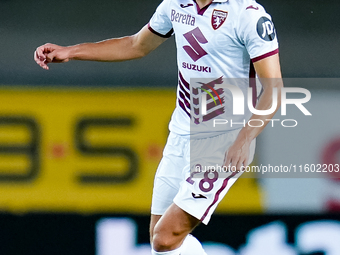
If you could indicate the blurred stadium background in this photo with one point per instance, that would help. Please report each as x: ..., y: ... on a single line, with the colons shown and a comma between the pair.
x: 79, y: 144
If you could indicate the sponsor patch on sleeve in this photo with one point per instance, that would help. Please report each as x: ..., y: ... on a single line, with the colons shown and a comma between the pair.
x: 266, y: 29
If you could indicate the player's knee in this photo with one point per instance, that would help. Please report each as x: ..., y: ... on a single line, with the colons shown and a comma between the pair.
x: 160, y: 243
x: 165, y: 241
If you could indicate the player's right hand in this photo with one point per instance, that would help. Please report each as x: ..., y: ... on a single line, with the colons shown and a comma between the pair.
x: 51, y: 53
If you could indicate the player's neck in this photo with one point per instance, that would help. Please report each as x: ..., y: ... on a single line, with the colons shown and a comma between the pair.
x: 203, y: 3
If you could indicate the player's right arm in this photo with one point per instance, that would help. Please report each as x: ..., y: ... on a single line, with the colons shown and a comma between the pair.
x: 111, y: 50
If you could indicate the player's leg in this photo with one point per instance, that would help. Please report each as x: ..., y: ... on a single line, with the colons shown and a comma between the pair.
x: 190, y: 245
x: 172, y: 228
x: 168, y: 178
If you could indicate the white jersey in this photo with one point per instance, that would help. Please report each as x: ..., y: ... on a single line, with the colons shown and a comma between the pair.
x: 218, y: 42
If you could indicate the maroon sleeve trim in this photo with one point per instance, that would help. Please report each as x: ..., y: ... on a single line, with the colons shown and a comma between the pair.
x: 265, y: 55
x: 156, y: 33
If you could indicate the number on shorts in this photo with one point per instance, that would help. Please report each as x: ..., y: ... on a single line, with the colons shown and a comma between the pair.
x: 208, y: 180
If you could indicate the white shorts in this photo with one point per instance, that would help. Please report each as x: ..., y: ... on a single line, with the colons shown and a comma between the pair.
x: 198, y: 196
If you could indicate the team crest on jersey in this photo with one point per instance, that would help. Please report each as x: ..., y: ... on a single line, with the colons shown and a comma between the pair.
x: 218, y: 18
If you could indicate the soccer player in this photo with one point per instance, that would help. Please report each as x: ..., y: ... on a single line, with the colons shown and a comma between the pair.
x: 217, y: 40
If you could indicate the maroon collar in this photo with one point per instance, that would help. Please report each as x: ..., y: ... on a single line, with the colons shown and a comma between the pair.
x: 201, y: 11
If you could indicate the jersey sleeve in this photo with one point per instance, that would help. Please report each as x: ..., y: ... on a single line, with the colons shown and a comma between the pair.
x: 160, y: 23
x: 257, y: 32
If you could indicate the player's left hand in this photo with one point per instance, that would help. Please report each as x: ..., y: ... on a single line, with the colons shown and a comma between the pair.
x: 237, y: 155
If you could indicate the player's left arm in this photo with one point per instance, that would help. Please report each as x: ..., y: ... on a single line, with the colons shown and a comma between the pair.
x: 269, y: 72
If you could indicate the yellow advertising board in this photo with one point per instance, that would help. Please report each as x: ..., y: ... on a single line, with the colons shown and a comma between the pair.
x: 89, y: 150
